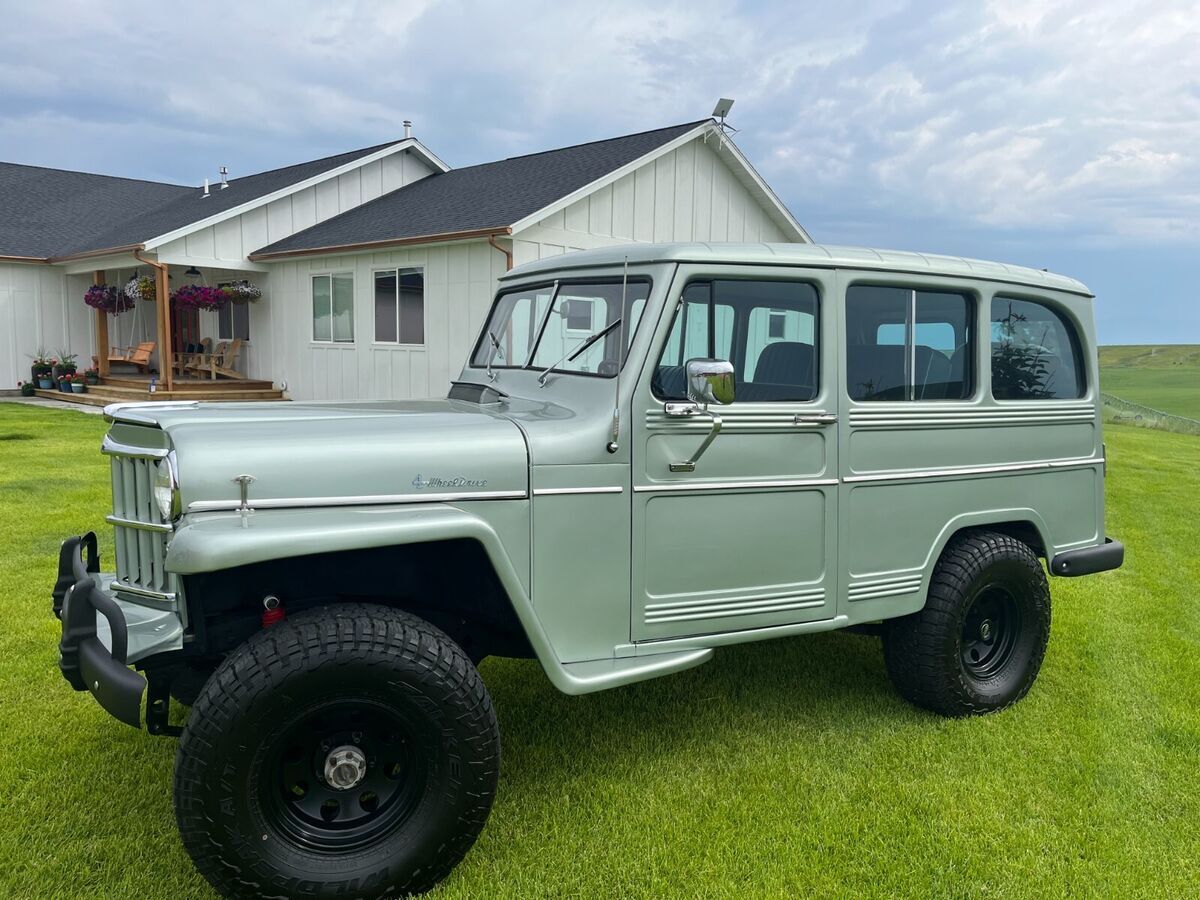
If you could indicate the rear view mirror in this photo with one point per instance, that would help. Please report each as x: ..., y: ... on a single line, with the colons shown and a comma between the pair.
x: 710, y: 381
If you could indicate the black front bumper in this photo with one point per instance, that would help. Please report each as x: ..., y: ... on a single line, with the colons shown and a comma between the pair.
x: 84, y: 660
x: 1089, y: 560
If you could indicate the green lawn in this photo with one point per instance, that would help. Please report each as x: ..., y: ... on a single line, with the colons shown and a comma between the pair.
x: 787, y: 768
x: 1165, y: 377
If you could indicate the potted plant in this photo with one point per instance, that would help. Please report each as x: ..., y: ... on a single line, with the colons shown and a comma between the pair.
x: 242, y: 291
x: 41, y: 363
x: 63, y: 383
x: 66, y: 364
x: 92, y: 376
x: 200, y: 296
x: 139, y: 287
x: 26, y: 388
x: 79, y: 383
x: 106, y: 298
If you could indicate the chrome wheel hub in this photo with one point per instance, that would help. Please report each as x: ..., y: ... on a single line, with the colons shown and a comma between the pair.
x: 345, y: 767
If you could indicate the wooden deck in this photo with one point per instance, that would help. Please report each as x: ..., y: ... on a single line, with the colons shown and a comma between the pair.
x: 136, y: 388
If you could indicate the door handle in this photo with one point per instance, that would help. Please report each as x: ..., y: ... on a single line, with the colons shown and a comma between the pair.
x: 814, y: 418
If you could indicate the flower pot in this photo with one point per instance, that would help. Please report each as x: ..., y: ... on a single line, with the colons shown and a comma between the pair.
x: 93, y: 379
x: 46, y: 384
x: 65, y: 387
x: 78, y: 388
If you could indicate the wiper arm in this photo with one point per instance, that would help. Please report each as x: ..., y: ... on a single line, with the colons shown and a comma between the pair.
x: 496, y: 351
x: 571, y: 355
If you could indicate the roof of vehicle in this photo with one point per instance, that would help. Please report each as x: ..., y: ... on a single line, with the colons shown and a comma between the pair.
x: 811, y: 255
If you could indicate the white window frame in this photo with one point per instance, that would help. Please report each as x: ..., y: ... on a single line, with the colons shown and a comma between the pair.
x: 407, y: 345
x: 332, y: 342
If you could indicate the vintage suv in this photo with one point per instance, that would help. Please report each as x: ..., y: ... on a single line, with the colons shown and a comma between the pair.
x: 653, y: 451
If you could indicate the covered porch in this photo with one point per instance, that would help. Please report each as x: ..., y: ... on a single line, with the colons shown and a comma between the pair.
x: 168, y: 332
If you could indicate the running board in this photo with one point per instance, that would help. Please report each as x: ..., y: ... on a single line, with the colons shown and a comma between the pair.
x: 598, y: 674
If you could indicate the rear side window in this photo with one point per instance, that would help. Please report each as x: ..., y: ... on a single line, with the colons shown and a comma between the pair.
x: 904, y: 344
x: 1035, y: 353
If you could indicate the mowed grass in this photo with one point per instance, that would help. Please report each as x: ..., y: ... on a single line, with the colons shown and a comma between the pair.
x: 1165, y: 377
x: 788, y: 768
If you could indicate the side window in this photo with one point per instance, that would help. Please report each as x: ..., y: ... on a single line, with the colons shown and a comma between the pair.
x: 767, y: 329
x: 904, y: 344
x: 333, y: 308
x: 1035, y: 353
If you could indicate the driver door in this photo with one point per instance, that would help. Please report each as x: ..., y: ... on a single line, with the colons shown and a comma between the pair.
x: 748, y: 539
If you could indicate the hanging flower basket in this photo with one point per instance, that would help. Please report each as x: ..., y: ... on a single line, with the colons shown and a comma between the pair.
x: 140, y: 287
x: 200, y: 296
x: 242, y: 291
x: 107, y: 298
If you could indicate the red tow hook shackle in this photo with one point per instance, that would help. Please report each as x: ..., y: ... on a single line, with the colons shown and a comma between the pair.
x: 272, y: 611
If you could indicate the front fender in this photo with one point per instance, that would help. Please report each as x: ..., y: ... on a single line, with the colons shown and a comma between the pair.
x: 213, y: 542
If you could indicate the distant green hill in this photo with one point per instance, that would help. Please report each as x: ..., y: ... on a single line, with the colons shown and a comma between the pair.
x: 1163, y: 376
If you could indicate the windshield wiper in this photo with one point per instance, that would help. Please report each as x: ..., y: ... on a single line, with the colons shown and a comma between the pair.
x: 496, y: 351
x: 571, y: 355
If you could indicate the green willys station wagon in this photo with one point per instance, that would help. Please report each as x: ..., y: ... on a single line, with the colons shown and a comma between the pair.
x: 653, y: 451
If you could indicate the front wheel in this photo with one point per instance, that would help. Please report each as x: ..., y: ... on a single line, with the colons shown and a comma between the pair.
x: 978, y: 643
x: 350, y: 750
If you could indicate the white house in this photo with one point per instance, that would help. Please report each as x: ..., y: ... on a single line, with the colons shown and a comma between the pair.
x: 376, y: 266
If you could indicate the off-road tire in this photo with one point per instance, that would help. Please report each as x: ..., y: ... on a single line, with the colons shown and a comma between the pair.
x: 320, y: 665
x: 936, y: 657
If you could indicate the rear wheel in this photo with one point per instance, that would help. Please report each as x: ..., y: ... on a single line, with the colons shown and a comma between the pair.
x: 347, y: 750
x: 978, y: 643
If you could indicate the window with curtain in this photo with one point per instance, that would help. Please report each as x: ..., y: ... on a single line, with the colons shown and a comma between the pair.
x: 333, y: 308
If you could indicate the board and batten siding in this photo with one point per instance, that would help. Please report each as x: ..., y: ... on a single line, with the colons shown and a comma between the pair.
x: 41, y: 308
x: 236, y: 238
x: 460, y: 281
x: 689, y: 194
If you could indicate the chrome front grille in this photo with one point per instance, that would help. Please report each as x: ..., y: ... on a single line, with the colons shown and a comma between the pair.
x: 141, y: 533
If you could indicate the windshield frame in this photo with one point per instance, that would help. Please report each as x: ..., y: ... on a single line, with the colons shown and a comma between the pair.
x: 555, y: 286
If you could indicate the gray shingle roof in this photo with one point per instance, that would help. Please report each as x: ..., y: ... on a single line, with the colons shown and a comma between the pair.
x: 491, y: 195
x: 51, y: 212
x: 44, y: 211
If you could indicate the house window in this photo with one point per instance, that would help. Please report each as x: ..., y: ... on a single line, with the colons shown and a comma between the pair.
x: 233, y: 322
x: 400, y: 306
x: 905, y: 344
x: 1035, y: 353
x: 777, y: 325
x: 333, y: 308
x: 578, y: 312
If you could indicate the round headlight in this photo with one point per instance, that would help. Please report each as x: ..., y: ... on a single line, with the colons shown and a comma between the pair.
x: 166, y: 488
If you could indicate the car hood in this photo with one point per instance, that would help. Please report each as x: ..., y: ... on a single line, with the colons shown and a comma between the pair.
x: 315, y: 454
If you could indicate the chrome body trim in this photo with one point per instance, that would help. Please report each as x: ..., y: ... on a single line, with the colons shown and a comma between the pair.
x: 114, y: 448
x: 365, y: 500
x: 736, y: 485
x: 162, y: 528
x: 125, y: 587
x: 967, y: 471
x: 550, y: 492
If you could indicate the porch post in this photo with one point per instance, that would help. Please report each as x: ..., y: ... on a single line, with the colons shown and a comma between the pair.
x: 165, y: 356
x: 101, y: 330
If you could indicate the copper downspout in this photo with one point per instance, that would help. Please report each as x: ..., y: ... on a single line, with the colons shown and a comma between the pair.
x: 163, y: 305
x: 508, y: 254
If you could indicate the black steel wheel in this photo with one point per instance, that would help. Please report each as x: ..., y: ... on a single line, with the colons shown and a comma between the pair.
x: 347, y: 750
x: 978, y: 643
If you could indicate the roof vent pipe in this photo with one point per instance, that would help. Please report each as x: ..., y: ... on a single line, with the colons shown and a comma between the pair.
x: 224, y: 182
x: 407, y: 129
x: 205, y: 187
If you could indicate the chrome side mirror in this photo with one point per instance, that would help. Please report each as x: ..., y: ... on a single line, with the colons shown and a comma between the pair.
x: 710, y: 381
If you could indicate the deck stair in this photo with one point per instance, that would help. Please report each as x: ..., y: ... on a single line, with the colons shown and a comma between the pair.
x: 132, y: 389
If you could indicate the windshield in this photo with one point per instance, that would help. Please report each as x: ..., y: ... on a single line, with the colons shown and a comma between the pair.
x: 543, y: 327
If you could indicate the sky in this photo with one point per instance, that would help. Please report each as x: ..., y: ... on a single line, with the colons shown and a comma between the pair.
x: 1062, y: 134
